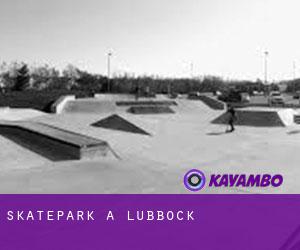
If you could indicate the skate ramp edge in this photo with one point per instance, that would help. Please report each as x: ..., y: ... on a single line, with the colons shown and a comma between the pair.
x: 210, y: 102
x: 54, y: 143
x: 257, y: 118
x: 288, y: 116
x: 59, y: 105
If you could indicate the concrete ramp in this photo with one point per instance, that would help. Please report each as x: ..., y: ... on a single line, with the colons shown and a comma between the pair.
x: 211, y: 102
x: 255, y: 118
x: 115, y: 122
x: 54, y: 143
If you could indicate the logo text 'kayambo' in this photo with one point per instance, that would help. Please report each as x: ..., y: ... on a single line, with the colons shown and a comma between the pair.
x: 230, y: 180
x: 195, y: 180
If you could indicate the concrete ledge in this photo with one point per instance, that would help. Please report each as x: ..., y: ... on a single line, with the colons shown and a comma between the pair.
x: 150, y: 110
x: 54, y: 143
x: 114, y: 97
x: 146, y: 103
x: 58, y: 106
x: 98, y: 96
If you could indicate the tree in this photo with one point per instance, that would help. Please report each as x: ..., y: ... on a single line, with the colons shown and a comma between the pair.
x: 43, y: 76
x: 89, y: 82
x: 22, y: 78
x: 14, y: 76
x: 73, y: 74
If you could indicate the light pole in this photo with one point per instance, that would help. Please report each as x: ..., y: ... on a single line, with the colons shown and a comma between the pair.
x: 294, y: 70
x: 267, y: 87
x: 266, y: 67
x: 294, y: 76
x: 109, y: 55
x: 192, y: 69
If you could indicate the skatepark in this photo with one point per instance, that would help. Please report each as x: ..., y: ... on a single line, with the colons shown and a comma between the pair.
x: 116, y: 144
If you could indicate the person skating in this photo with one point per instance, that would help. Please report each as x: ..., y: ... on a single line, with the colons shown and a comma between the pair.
x: 231, y: 118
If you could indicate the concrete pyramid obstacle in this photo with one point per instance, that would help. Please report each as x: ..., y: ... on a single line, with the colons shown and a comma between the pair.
x: 115, y: 122
x: 256, y: 118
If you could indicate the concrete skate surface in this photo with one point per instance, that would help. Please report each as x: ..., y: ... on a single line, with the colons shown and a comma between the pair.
x: 157, y: 163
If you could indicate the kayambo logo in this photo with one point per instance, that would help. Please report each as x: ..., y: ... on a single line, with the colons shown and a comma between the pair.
x: 194, y: 180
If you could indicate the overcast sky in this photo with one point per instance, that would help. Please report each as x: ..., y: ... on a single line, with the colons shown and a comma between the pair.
x: 160, y: 37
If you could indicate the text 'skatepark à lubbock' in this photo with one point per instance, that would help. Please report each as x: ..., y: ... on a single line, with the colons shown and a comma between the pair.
x: 94, y: 215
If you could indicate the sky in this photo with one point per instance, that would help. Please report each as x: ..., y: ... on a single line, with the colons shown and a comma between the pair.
x: 169, y: 38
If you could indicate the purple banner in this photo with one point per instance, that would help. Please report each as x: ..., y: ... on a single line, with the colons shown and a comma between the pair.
x: 142, y: 222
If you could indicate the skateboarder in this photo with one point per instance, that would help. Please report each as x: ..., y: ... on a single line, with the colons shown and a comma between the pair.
x: 231, y: 118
